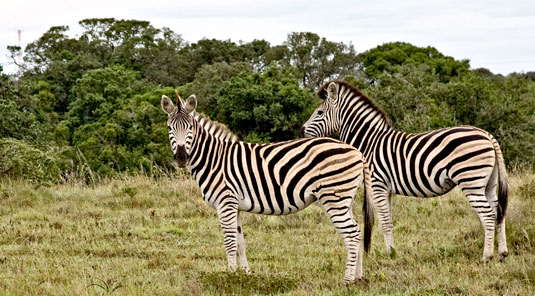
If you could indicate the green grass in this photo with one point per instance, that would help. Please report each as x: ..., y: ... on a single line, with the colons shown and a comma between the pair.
x: 139, y: 236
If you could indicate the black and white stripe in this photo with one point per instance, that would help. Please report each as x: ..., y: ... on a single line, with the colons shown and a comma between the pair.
x: 272, y: 179
x: 423, y: 165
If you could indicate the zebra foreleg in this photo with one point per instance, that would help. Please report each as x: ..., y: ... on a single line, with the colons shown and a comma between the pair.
x: 241, y: 247
x: 228, y: 217
x: 340, y: 213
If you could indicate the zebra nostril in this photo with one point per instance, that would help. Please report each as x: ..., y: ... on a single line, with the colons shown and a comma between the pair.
x: 181, y: 156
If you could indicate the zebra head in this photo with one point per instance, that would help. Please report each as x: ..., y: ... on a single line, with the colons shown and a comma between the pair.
x: 323, y: 122
x: 180, y: 124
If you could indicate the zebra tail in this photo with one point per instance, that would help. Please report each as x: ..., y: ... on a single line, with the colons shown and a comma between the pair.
x: 502, y: 179
x: 368, y: 208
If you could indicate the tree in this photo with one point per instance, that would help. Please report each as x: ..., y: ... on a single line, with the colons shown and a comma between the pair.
x: 406, y: 99
x: 18, y: 113
x: 386, y: 59
x: 209, y: 80
x: 317, y: 59
x: 264, y: 107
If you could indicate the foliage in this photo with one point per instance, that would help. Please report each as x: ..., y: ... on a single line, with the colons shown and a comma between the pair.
x: 264, y: 107
x: 113, y: 127
x: 94, y: 97
x: 317, y: 59
x: 388, y: 57
x: 210, y: 79
x: 20, y: 160
x: 17, y: 119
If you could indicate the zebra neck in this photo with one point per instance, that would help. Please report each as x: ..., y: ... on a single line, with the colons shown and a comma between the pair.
x: 207, y: 151
x: 364, y: 130
x: 216, y: 129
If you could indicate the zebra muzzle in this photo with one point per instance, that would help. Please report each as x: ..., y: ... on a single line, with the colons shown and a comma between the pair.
x: 181, y: 156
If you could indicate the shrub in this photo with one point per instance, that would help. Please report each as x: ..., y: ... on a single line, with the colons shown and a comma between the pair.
x: 20, y: 160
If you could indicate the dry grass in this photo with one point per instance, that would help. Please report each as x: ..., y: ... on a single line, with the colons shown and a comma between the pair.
x: 139, y: 236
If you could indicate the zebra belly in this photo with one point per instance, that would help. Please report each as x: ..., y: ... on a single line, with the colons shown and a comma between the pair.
x: 440, y: 185
x: 262, y: 206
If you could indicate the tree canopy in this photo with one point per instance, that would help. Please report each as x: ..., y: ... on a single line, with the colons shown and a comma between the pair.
x: 89, y: 104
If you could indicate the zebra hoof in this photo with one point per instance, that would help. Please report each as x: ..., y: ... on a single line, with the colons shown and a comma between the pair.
x: 347, y: 282
x: 486, y: 259
x: 231, y: 269
x: 356, y: 282
x: 503, y: 255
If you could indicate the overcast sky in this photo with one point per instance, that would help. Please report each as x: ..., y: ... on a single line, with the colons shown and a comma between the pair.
x: 498, y: 35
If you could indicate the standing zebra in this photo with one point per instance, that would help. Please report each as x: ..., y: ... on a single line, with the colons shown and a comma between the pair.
x: 423, y: 165
x: 272, y: 179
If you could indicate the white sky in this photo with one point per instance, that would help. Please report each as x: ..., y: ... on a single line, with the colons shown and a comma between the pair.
x: 495, y: 34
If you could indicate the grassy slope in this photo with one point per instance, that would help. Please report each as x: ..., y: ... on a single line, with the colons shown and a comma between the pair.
x: 140, y: 236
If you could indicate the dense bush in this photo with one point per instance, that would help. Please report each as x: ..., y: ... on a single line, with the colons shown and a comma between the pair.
x: 264, y: 107
x: 19, y: 159
x: 388, y: 58
x: 93, y: 101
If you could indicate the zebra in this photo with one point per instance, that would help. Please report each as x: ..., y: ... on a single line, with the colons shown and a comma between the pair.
x: 422, y: 165
x: 273, y: 179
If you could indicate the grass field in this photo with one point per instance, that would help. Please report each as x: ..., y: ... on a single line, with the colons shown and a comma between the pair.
x: 140, y: 236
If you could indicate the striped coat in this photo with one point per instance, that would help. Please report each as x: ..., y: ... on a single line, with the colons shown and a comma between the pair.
x: 423, y: 165
x: 271, y: 179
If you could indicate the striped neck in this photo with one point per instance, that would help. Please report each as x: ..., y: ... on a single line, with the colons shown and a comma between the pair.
x: 362, y: 124
x: 208, y: 145
x: 216, y: 129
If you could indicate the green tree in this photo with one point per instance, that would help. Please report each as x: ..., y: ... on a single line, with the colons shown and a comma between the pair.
x: 209, y: 80
x: 317, y: 59
x: 18, y: 112
x: 109, y: 124
x: 386, y: 59
x: 264, y: 107
x: 406, y: 99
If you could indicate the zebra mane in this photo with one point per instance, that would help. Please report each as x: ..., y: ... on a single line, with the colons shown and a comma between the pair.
x: 217, y: 129
x: 357, y: 95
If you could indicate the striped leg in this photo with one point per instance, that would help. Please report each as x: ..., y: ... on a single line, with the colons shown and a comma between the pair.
x: 382, y: 201
x: 241, y: 247
x: 340, y: 213
x: 479, y: 203
x: 228, y: 217
x: 500, y: 228
x: 502, y: 240
x: 360, y: 256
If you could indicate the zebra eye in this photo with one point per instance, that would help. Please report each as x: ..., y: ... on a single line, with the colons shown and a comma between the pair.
x: 320, y: 113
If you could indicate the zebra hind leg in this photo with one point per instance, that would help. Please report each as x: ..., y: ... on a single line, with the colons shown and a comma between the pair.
x: 241, y: 247
x: 228, y: 217
x: 382, y: 201
x: 339, y: 210
x: 490, y: 192
x: 479, y: 203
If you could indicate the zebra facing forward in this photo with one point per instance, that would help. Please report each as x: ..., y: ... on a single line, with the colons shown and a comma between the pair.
x: 422, y: 165
x: 272, y: 179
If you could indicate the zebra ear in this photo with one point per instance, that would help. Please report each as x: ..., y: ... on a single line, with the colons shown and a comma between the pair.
x: 191, y: 103
x: 332, y: 92
x: 167, y: 104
